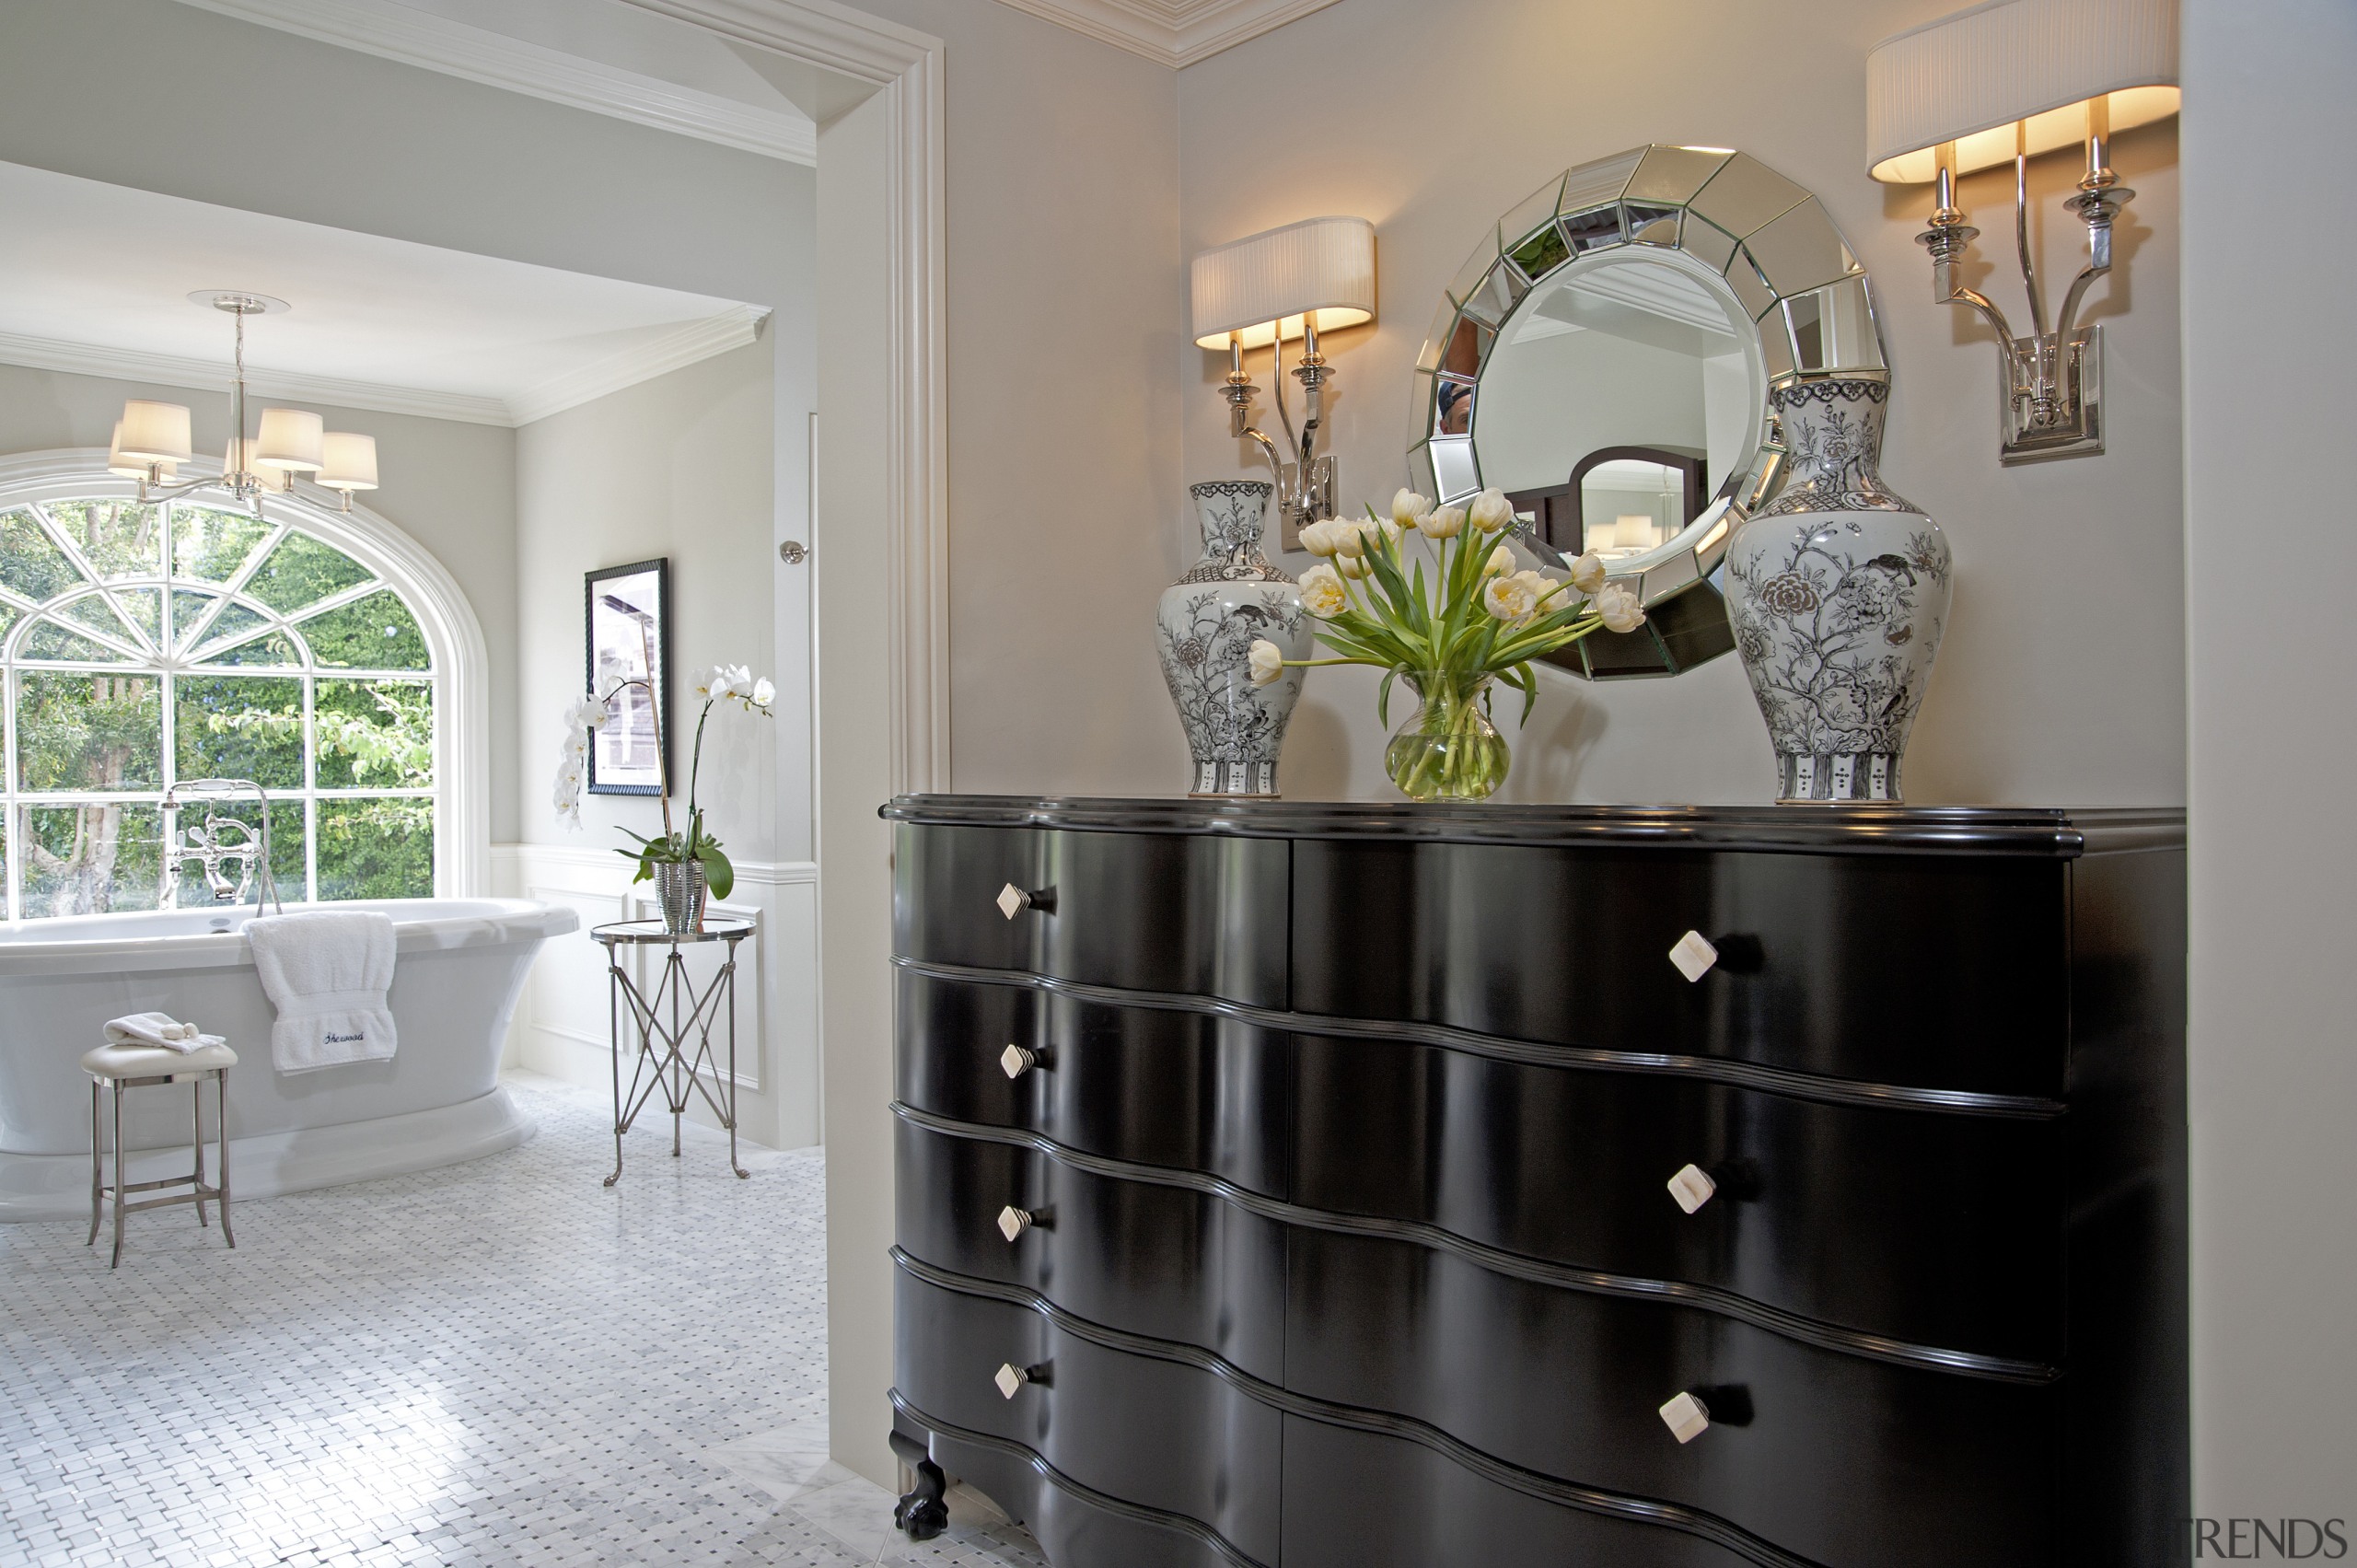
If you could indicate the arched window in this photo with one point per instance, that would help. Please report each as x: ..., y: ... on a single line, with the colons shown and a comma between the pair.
x: 147, y: 644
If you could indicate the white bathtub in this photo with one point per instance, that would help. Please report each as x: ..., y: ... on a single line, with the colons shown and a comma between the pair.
x: 462, y: 965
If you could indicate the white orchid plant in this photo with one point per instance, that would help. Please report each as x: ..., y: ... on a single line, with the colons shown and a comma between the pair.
x: 1476, y: 616
x: 720, y: 683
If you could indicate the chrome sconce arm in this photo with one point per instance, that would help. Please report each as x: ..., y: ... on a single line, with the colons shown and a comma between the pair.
x: 2053, y: 379
x: 1306, y: 483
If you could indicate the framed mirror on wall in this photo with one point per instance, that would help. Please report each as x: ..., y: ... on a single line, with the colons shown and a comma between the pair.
x: 627, y: 615
x: 1604, y: 358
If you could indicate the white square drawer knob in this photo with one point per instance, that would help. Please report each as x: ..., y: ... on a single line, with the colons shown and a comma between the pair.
x: 1014, y: 1061
x: 1011, y: 1378
x: 1692, y: 1187
x: 1687, y: 1417
x: 1013, y: 1221
x: 1012, y: 901
x: 1693, y: 956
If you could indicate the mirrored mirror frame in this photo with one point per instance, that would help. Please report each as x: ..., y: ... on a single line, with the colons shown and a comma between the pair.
x: 1785, y: 264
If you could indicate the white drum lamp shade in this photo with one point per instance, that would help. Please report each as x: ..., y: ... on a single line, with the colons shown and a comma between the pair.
x: 154, y: 433
x: 290, y: 439
x: 240, y: 459
x: 1264, y: 286
x: 122, y: 467
x: 2015, y: 74
x: 347, y: 461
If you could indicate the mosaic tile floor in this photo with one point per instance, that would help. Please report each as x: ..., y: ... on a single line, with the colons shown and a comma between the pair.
x: 498, y: 1363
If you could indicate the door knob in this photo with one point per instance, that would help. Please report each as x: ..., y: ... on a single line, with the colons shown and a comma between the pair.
x: 1013, y: 900
x: 1687, y: 1417
x: 1017, y: 1059
x: 794, y: 552
x: 1693, y: 954
x: 1011, y: 1378
x: 1692, y: 1187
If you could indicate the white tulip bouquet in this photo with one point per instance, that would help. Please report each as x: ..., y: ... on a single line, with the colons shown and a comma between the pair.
x: 720, y: 683
x: 1472, y: 620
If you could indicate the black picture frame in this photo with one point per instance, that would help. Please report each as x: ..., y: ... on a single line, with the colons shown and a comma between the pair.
x: 614, y: 642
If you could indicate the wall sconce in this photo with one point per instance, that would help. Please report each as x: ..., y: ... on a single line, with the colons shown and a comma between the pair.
x: 2012, y: 80
x: 1293, y: 282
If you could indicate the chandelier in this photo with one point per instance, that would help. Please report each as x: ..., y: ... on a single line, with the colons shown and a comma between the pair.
x: 151, y: 440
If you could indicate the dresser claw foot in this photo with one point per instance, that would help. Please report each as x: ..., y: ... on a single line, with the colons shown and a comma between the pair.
x: 921, y: 1514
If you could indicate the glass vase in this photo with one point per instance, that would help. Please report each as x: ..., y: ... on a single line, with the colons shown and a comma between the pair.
x: 1448, y: 749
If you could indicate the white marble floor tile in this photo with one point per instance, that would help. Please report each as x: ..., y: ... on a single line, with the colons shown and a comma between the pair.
x: 498, y: 1363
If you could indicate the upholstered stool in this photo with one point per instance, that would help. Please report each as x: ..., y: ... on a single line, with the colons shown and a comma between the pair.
x: 119, y: 1067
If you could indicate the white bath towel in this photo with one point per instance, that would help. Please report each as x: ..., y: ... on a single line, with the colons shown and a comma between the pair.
x: 158, y: 1028
x: 327, y: 972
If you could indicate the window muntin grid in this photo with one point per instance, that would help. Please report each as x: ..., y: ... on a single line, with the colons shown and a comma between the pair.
x: 186, y: 605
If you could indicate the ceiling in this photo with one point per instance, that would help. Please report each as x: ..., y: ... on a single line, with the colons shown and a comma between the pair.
x: 96, y: 278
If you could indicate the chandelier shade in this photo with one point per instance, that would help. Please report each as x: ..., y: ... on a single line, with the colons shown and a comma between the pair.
x: 123, y: 467
x: 154, y: 433
x: 348, y: 461
x: 290, y: 438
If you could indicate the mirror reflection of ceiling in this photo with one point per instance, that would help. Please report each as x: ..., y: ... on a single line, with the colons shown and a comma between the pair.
x: 1622, y: 350
x: 95, y: 278
x: 1648, y: 304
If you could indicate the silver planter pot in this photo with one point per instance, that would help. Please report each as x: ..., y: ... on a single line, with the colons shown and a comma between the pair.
x: 680, y: 891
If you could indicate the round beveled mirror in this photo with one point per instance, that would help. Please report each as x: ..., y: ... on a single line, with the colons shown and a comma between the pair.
x: 1604, y: 358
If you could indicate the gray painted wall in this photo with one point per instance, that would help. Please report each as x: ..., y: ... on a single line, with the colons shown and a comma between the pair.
x: 450, y: 486
x: 678, y: 466
x: 2271, y: 355
x: 2062, y: 678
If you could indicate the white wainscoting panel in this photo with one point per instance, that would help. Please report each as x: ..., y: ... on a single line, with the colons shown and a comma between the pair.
x: 563, y: 1021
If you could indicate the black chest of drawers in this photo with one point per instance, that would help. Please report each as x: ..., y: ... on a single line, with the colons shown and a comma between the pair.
x: 1289, y: 1184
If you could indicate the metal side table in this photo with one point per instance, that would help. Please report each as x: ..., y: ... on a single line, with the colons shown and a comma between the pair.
x: 672, y: 1023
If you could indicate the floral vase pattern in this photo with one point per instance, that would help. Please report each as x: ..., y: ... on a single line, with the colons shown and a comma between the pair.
x: 1838, y: 592
x: 1207, y: 623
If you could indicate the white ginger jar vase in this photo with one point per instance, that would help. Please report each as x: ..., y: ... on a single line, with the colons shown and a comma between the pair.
x: 1838, y: 592
x: 1206, y: 626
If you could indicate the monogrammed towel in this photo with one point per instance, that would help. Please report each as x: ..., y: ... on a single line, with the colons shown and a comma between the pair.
x: 327, y: 972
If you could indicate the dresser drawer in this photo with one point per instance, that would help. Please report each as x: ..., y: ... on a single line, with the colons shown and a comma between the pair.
x: 1948, y: 972
x: 1166, y: 1434
x: 1189, y: 914
x: 1155, y: 1086
x: 1164, y: 1261
x: 1940, y: 1229
x: 1847, y: 1461
x: 1356, y: 1499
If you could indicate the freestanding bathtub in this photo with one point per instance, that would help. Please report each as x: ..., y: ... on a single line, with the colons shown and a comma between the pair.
x: 460, y: 967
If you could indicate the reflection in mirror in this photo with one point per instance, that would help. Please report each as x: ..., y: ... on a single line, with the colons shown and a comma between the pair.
x: 1623, y: 393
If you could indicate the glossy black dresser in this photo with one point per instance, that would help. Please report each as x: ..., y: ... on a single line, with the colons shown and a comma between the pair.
x: 1358, y: 1186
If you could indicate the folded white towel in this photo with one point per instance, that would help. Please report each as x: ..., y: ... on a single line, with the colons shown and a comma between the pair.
x: 157, y: 1028
x: 327, y: 972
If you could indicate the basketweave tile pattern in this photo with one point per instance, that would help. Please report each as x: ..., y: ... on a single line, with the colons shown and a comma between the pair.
x: 497, y: 1363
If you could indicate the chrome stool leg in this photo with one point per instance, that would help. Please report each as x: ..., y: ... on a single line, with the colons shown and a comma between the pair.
x: 196, y: 1138
x: 221, y: 1130
x: 98, y: 1170
x: 114, y: 1095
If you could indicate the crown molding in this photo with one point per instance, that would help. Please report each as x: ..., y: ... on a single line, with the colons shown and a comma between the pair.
x: 478, y: 54
x: 213, y: 376
x: 689, y: 343
x: 1176, y: 33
